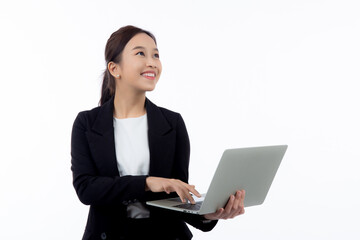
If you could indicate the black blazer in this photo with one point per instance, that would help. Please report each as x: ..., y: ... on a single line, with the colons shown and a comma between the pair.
x: 98, y: 184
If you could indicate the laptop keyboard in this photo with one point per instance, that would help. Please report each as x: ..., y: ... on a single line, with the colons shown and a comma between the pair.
x: 189, y: 206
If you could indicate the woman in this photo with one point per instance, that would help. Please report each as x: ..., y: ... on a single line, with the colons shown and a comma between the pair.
x: 128, y: 151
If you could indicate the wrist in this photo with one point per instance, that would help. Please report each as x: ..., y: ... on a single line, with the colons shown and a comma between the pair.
x: 147, y: 179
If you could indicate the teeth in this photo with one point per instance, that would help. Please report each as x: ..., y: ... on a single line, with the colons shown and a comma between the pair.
x: 149, y: 74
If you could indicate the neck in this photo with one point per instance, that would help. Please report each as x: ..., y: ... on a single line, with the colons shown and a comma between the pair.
x: 129, y: 105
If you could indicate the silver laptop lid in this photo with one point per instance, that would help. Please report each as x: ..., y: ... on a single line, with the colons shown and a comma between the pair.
x: 252, y: 169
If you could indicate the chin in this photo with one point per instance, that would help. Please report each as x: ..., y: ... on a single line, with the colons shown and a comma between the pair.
x: 150, y: 89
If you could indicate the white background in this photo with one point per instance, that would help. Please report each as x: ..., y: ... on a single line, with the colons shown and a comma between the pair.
x: 241, y: 73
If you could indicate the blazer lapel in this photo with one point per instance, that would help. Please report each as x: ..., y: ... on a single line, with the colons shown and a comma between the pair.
x: 162, y: 139
x: 101, y: 140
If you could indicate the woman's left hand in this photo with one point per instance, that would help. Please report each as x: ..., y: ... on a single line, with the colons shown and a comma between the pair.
x: 233, y: 208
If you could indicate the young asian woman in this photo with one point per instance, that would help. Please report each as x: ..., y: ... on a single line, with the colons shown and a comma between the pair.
x: 128, y: 151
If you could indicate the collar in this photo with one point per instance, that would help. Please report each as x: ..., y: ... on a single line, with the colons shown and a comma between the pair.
x: 157, y: 122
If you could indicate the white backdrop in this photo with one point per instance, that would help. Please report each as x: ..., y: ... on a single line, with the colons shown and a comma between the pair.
x: 241, y: 73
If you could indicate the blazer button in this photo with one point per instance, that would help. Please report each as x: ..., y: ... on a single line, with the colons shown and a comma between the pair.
x: 103, y: 236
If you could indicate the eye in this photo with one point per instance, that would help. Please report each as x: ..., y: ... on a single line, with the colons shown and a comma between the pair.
x: 141, y: 53
x: 156, y: 55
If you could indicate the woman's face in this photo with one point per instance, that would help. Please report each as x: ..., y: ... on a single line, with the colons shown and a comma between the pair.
x: 140, y: 66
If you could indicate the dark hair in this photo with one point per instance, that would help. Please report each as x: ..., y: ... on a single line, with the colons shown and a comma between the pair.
x: 114, y: 47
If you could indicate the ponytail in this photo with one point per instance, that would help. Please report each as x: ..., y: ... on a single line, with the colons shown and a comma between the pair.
x: 108, y: 87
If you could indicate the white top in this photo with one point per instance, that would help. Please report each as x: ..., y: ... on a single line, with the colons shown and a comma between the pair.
x: 132, y: 145
x: 132, y: 154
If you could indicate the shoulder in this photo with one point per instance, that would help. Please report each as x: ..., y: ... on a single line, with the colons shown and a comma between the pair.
x: 87, y: 117
x: 169, y: 114
x: 90, y: 113
x: 172, y: 117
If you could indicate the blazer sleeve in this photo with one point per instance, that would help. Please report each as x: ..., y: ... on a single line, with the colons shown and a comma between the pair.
x: 181, y: 171
x: 91, y: 188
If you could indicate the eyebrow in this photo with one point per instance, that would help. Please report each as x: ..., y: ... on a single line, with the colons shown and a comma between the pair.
x: 140, y: 47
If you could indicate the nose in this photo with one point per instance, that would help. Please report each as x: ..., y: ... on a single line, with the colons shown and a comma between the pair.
x: 151, y: 63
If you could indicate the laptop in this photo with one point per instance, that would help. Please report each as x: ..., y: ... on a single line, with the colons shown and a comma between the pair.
x: 252, y: 169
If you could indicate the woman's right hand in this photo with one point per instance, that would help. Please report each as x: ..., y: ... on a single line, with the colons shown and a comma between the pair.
x: 158, y: 184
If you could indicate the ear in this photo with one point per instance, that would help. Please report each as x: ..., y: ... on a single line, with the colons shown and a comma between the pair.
x: 114, y: 70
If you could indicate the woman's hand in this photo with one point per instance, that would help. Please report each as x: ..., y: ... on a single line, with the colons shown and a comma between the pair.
x: 158, y: 184
x: 233, y: 208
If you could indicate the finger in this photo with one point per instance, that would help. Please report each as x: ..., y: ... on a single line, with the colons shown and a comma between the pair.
x: 189, y: 196
x: 194, y: 191
x: 236, y: 211
x: 180, y: 194
x: 229, y: 205
x: 238, y: 194
x: 187, y: 190
x: 242, y: 205
x: 176, y: 187
x: 184, y: 194
x: 183, y: 190
x: 236, y: 205
x: 242, y: 208
x: 242, y: 195
x: 183, y: 200
x: 239, y: 199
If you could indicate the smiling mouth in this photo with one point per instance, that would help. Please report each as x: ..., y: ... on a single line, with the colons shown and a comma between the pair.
x: 148, y: 75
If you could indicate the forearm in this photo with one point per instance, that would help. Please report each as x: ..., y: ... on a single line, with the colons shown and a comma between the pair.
x: 98, y: 190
